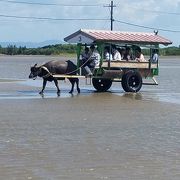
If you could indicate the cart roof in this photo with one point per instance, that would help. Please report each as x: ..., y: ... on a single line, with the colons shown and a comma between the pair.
x: 90, y: 36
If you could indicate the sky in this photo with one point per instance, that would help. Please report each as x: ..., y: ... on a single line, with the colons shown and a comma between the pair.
x: 128, y: 14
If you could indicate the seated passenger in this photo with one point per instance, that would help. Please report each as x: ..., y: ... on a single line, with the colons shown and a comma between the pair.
x: 107, y: 54
x: 128, y: 54
x: 123, y: 53
x: 116, y: 54
x: 139, y: 55
x: 155, y: 56
x: 95, y: 57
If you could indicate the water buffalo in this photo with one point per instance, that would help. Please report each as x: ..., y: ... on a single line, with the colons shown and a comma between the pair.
x: 47, y: 70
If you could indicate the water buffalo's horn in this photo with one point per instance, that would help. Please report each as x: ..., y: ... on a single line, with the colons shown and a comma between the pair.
x: 37, y: 66
x: 47, y: 70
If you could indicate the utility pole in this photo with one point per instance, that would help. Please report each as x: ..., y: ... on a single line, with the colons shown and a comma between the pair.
x: 112, y: 19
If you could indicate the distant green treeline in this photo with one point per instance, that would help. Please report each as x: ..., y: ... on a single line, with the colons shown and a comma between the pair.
x: 70, y: 49
x: 46, y: 50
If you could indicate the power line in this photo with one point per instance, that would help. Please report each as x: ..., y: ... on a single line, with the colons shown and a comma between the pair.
x: 153, y: 11
x: 85, y: 19
x: 159, y: 12
x: 77, y: 19
x: 86, y: 5
x: 53, y: 19
x: 147, y: 27
x: 51, y: 4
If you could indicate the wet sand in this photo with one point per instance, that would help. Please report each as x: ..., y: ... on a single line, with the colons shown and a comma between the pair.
x: 87, y: 136
x: 95, y: 136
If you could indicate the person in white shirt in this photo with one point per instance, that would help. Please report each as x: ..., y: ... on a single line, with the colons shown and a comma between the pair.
x: 95, y: 57
x: 116, y: 54
x: 107, y: 54
x: 139, y: 55
x: 94, y: 60
x: 155, y: 56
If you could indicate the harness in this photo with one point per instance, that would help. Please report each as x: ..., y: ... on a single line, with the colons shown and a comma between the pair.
x: 48, y: 72
x: 79, y: 66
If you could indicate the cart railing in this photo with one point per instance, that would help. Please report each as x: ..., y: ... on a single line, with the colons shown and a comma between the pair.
x: 130, y: 64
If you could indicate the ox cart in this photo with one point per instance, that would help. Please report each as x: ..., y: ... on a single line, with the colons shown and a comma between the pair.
x: 131, y: 73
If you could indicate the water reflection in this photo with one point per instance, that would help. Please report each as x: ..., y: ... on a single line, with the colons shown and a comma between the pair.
x: 89, y: 135
x: 166, y: 91
x: 35, y: 95
x: 134, y: 96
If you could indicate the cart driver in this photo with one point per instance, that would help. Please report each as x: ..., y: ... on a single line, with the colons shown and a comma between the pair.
x: 85, y: 56
x: 94, y: 60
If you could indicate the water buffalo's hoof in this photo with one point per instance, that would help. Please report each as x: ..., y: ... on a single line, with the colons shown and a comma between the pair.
x: 41, y: 92
x: 58, y: 92
x: 78, y: 90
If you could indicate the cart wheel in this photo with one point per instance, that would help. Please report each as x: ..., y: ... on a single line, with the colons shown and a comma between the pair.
x: 131, y: 81
x: 101, y: 85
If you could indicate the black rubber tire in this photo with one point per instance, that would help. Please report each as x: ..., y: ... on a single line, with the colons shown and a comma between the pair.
x: 131, y: 81
x: 101, y: 85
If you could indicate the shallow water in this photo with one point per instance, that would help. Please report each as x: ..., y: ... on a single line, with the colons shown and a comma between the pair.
x: 18, y: 67
x: 88, y: 136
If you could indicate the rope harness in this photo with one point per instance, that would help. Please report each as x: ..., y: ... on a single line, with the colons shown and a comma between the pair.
x: 79, y: 67
x: 50, y: 74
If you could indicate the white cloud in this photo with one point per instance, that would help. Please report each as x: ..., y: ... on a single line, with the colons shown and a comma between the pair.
x: 129, y: 11
x: 172, y: 3
x: 135, y: 12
